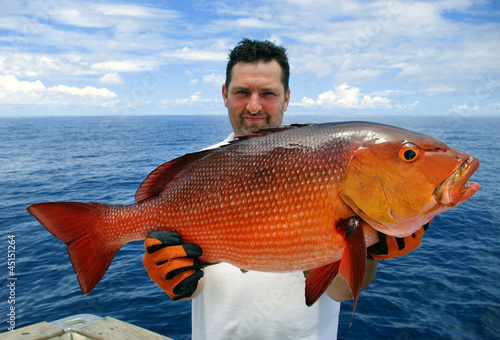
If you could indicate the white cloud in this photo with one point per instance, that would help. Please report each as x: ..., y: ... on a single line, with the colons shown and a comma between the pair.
x: 117, y: 10
x: 82, y: 92
x: 14, y: 91
x: 112, y: 78
x: 39, y: 65
x: 191, y: 54
x: 195, y: 99
x: 410, y: 71
x: 362, y: 74
x: 11, y: 84
x: 388, y: 92
x: 215, y: 78
x: 407, y: 106
x: 438, y: 90
x: 465, y: 109
x: 249, y: 23
x: 345, y: 96
x: 95, y: 15
x: 79, y: 17
x: 123, y: 66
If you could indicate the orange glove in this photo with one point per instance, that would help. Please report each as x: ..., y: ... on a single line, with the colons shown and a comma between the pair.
x: 173, y: 266
x: 390, y: 247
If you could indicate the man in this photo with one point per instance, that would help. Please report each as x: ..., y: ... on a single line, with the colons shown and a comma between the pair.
x: 226, y: 303
x: 256, y: 93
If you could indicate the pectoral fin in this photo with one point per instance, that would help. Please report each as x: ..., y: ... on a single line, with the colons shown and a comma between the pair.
x: 353, y: 263
x: 351, y: 267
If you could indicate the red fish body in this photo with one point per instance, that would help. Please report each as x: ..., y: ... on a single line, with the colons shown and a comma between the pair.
x: 279, y: 202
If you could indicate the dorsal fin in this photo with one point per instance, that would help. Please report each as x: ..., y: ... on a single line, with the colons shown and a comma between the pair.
x: 159, y: 178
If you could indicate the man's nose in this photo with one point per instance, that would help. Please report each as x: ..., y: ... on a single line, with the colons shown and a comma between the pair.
x: 254, y: 105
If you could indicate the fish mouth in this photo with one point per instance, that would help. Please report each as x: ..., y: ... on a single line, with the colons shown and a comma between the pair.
x: 457, y: 188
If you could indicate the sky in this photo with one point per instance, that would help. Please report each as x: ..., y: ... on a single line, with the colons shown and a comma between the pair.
x: 77, y: 58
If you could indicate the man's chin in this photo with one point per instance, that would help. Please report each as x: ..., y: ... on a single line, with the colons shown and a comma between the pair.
x: 247, y: 130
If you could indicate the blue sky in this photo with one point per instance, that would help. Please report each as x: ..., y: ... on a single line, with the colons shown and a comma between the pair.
x: 168, y: 57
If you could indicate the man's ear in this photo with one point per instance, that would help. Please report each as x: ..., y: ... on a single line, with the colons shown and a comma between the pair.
x: 287, y: 99
x: 224, y: 94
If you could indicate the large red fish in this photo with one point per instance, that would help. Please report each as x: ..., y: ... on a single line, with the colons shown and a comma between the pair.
x: 300, y: 198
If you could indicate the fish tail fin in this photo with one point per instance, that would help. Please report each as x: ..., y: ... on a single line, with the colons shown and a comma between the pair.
x: 79, y: 225
x: 353, y: 264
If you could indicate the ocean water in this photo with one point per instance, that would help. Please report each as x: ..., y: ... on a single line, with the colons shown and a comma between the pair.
x: 449, y: 288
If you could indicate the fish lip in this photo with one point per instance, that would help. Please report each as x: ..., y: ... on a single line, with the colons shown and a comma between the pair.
x: 457, y: 188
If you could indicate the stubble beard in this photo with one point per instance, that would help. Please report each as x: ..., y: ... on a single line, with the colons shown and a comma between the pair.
x: 244, y: 128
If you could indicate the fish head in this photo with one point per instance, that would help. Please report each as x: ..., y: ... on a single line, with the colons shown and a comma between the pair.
x: 398, y: 180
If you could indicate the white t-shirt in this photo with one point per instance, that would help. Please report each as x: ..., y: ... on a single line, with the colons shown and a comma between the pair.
x: 258, y: 305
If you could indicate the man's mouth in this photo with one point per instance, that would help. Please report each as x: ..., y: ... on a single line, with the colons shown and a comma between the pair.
x: 255, y: 119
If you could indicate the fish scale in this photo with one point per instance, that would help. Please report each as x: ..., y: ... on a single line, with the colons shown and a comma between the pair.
x: 249, y: 182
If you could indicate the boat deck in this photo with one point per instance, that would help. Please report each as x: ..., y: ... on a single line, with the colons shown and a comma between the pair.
x: 83, y: 327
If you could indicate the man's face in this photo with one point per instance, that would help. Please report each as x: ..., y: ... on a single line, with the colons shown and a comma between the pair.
x: 256, y: 96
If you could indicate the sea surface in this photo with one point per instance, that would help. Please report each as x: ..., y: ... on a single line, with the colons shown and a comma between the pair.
x: 449, y: 288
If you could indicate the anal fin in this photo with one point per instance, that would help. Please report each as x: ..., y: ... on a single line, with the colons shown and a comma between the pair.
x: 318, y: 281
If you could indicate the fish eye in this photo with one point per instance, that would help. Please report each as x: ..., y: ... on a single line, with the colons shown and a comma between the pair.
x: 409, y: 152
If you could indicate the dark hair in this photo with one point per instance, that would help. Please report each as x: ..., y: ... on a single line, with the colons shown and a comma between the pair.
x: 254, y: 51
